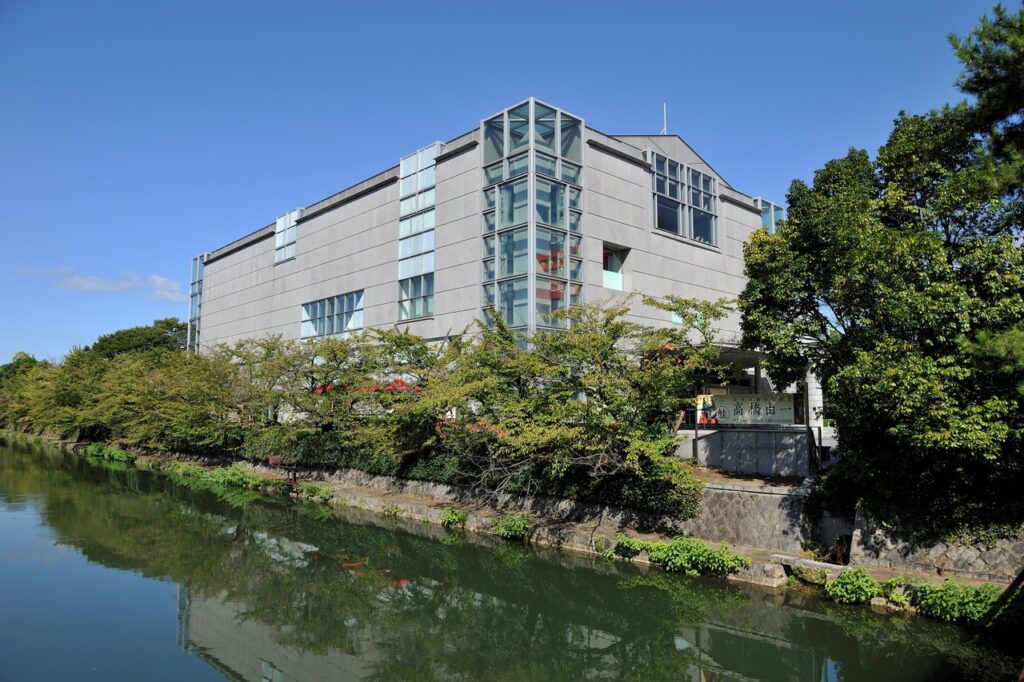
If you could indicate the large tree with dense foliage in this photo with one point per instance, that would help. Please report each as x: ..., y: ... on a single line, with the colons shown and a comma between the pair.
x: 900, y: 282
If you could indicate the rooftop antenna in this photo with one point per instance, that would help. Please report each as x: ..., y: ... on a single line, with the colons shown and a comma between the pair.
x: 664, y: 118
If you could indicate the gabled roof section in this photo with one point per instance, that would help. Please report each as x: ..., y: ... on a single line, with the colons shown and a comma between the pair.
x: 673, y: 147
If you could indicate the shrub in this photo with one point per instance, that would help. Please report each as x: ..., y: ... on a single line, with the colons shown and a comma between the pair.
x: 852, y: 586
x: 390, y: 510
x: 955, y: 602
x: 627, y: 547
x: 315, y: 491
x: 110, y: 453
x: 453, y: 517
x: 696, y: 557
x: 684, y: 555
x: 513, y: 526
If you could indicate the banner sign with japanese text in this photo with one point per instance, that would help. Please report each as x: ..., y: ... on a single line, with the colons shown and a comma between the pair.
x: 766, y: 408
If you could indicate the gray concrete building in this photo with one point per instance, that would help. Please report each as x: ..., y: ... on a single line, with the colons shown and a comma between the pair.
x: 528, y: 212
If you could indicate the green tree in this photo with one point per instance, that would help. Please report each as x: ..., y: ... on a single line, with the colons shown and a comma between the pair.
x: 168, y: 333
x: 900, y: 282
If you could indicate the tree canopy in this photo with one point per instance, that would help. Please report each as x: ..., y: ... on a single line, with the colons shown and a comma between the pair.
x: 900, y: 281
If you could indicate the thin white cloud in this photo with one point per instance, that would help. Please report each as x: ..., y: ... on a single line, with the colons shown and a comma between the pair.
x: 59, y: 271
x: 166, y: 290
x: 97, y: 283
x: 158, y: 288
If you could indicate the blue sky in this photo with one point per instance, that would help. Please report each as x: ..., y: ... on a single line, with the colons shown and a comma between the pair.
x: 134, y: 135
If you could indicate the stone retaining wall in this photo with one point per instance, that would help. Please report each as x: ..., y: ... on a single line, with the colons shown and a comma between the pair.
x: 767, y: 517
x: 1000, y: 562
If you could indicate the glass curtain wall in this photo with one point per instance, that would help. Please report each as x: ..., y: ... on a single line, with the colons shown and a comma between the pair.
x: 416, y: 233
x: 532, y: 214
x: 195, y: 303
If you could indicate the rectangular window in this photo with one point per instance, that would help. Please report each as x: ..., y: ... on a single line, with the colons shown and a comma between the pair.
x: 551, y: 253
x: 572, y: 139
x: 551, y: 297
x: 494, y: 139
x: 668, y: 216
x: 337, y: 315
x: 195, y: 302
x: 416, y: 234
x: 494, y: 173
x: 614, y: 262
x: 519, y: 128
x: 550, y: 207
x: 514, y: 199
x: 513, y: 249
x: 285, y: 235
x: 513, y: 301
x: 571, y: 172
x: 518, y: 165
x: 416, y: 297
x: 544, y: 127
x: 546, y: 165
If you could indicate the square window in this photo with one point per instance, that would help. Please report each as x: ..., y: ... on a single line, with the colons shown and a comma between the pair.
x: 546, y: 165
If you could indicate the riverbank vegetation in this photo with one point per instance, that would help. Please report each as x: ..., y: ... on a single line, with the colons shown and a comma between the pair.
x: 587, y: 413
x: 899, y: 280
x: 691, y: 556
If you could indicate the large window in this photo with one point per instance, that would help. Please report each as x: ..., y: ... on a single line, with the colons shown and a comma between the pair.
x: 285, y: 235
x: 685, y: 201
x: 195, y: 305
x: 337, y: 315
x: 532, y: 214
x: 416, y: 234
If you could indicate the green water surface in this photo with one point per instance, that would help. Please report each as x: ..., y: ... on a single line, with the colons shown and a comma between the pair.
x: 110, y: 573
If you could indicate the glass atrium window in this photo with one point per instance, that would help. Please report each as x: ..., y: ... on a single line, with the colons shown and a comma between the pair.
x: 494, y: 139
x: 513, y: 250
x: 571, y: 172
x: 544, y: 127
x: 513, y: 301
x: 494, y: 173
x: 551, y: 253
x: 551, y: 297
x: 518, y: 165
x: 519, y: 128
x: 550, y: 203
x: 337, y: 315
x: 572, y: 139
x: 546, y: 165
x: 531, y: 258
x: 195, y: 302
x: 514, y: 200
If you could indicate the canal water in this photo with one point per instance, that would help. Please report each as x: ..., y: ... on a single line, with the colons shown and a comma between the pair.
x: 110, y: 573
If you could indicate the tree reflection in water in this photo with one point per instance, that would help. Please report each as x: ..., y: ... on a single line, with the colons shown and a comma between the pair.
x: 269, y: 590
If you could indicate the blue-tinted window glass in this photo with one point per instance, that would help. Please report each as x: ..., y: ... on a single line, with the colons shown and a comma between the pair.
x: 514, y: 200
x: 572, y: 139
x: 668, y: 216
x: 544, y: 128
x: 519, y: 128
